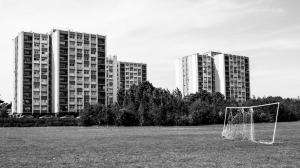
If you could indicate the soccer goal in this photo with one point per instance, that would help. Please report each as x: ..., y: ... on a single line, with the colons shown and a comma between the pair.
x: 254, y: 123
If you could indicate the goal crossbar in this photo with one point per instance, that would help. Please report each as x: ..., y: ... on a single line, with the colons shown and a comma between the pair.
x: 252, y: 106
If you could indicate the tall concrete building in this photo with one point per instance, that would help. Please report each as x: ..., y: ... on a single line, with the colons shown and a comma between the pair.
x: 132, y: 73
x: 122, y: 75
x: 233, y: 76
x: 112, y: 79
x: 195, y: 72
x: 32, y: 79
x: 214, y: 72
x: 62, y: 72
x: 78, y: 70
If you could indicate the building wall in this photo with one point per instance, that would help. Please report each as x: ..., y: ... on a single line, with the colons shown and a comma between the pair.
x: 122, y: 75
x: 55, y: 71
x: 78, y: 70
x: 41, y: 72
x: 206, y: 70
x: 187, y: 80
x: 31, y: 74
x: 178, y: 74
x: 112, y: 81
x: 15, y: 77
x: 220, y: 74
x: 233, y: 71
x: 134, y: 73
x: 214, y: 71
x: 194, y: 72
x: 101, y: 54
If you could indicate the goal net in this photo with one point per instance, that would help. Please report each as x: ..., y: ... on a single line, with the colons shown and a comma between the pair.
x: 253, y: 123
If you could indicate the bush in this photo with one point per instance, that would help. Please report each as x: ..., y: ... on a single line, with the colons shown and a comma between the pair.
x: 128, y: 118
x: 37, y: 122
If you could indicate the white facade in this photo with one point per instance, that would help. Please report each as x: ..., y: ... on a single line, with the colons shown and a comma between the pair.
x: 32, y: 74
x: 220, y: 73
x: 112, y: 79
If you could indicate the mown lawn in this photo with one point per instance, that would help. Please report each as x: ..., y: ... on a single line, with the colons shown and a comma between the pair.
x: 200, y: 146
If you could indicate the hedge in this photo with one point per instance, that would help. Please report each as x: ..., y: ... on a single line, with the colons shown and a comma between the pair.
x: 38, y: 122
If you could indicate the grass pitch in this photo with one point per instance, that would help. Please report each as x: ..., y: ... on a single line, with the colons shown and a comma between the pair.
x: 200, y: 146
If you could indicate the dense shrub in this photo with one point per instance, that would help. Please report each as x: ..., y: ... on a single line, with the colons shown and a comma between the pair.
x: 37, y: 122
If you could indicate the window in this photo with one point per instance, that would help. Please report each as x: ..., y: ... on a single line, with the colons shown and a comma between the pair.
x: 79, y: 64
x: 72, y: 99
x: 79, y: 50
x: 72, y: 35
x: 72, y: 62
x: 36, y: 37
x: 79, y: 100
x: 44, y: 58
x: 72, y: 56
x: 79, y: 36
x: 93, y: 50
x: 44, y: 37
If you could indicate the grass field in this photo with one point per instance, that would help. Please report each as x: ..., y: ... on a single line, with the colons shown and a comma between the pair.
x: 199, y: 146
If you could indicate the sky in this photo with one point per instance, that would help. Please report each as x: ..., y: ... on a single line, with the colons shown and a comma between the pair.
x: 157, y: 32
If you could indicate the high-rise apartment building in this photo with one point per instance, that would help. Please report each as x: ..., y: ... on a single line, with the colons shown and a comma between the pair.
x: 78, y: 70
x: 122, y: 75
x: 32, y: 79
x: 132, y: 73
x: 112, y: 79
x: 233, y: 76
x: 195, y: 72
x: 214, y: 72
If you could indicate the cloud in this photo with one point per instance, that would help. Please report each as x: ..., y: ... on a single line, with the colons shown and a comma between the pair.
x: 156, y: 32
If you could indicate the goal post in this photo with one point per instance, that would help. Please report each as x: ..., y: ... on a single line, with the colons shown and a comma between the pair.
x: 254, y: 123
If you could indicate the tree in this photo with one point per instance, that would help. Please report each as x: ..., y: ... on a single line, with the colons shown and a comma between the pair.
x: 199, y: 111
x: 93, y: 115
x: 141, y: 112
x: 121, y: 96
x: 128, y: 118
x: 4, y: 109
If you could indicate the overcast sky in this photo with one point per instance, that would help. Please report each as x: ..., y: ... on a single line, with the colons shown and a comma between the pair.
x: 158, y: 31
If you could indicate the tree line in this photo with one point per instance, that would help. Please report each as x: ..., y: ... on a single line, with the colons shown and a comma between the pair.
x: 146, y: 105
